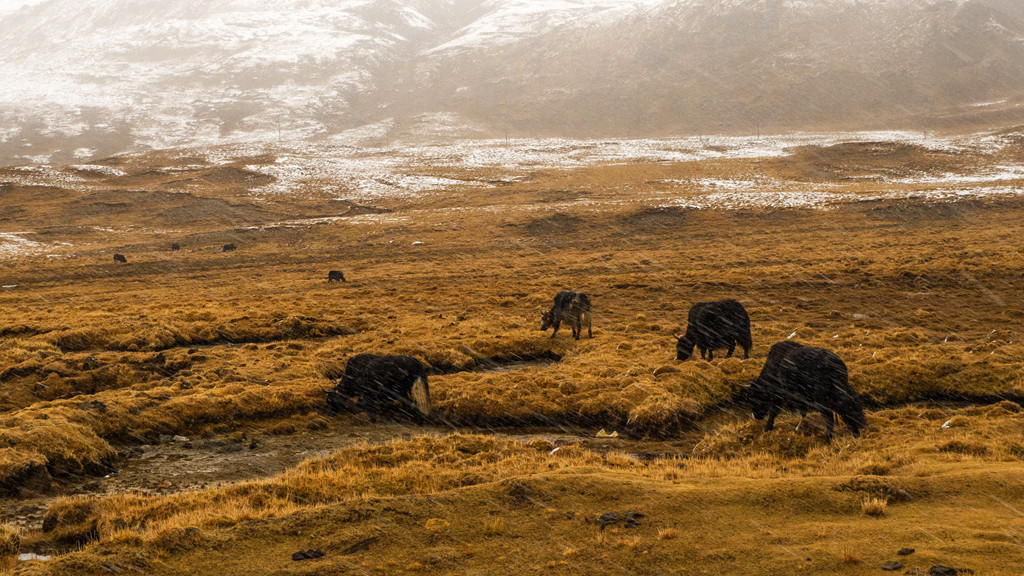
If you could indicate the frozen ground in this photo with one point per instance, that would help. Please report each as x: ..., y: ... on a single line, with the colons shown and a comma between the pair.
x: 345, y: 169
x: 13, y: 244
x: 408, y: 170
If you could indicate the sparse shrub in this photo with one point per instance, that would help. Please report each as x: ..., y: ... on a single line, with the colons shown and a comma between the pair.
x: 72, y: 521
x: 964, y: 447
x: 283, y: 428
x: 77, y: 340
x: 571, y: 553
x: 668, y: 533
x: 633, y: 542
x: 874, y: 506
x: 494, y: 527
x: 875, y: 469
x: 10, y: 541
x: 850, y: 556
x: 177, y: 539
x: 437, y: 525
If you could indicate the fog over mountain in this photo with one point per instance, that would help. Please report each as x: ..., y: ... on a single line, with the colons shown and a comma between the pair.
x: 86, y: 78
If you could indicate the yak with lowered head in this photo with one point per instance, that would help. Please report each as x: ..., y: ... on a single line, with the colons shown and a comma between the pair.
x: 382, y: 386
x: 806, y: 379
x: 714, y: 325
x: 572, y: 307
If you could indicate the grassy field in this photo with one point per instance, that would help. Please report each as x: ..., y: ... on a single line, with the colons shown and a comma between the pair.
x: 920, y: 297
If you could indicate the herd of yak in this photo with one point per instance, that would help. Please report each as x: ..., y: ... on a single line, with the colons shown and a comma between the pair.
x: 795, y: 376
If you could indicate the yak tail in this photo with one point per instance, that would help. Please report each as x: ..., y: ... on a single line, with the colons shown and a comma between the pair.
x: 421, y: 395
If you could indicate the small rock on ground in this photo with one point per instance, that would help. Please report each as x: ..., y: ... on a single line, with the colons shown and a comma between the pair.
x: 307, y: 554
x: 892, y: 566
x: 633, y: 518
x: 940, y: 570
x: 608, y: 518
x: 905, y: 552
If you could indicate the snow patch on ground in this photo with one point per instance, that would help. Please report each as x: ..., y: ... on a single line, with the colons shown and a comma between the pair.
x: 12, y: 245
x: 993, y: 174
x: 342, y: 166
x: 99, y: 169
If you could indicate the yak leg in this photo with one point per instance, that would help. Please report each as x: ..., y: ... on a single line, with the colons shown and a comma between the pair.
x: 746, y: 351
x: 772, y: 413
x: 732, y: 348
x: 830, y: 423
x: 854, y: 429
x: 555, y: 326
x: 577, y: 328
x: 711, y: 354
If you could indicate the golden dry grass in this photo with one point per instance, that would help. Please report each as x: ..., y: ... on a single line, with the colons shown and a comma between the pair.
x: 921, y: 300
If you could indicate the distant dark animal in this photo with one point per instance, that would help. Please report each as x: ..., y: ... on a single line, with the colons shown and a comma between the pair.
x: 714, y: 325
x: 572, y: 307
x: 382, y: 386
x: 120, y: 258
x: 229, y: 248
x: 335, y: 276
x: 806, y: 379
x: 175, y: 246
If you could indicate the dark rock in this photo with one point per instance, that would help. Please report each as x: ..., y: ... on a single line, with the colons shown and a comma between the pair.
x: 633, y: 518
x: 892, y: 566
x: 940, y: 570
x: 608, y: 518
x: 310, y: 554
x: 915, y: 572
x: 905, y: 552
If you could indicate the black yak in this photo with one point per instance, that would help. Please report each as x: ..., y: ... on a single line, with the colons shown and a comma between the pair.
x: 806, y: 379
x: 229, y: 248
x: 572, y: 307
x: 175, y: 246
x: 382, y: 386
x: 120, y: 258
x: 714, y: 325
x: 335, y: 276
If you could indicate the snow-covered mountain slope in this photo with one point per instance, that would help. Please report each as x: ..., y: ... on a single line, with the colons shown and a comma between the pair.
x: 93, y: 77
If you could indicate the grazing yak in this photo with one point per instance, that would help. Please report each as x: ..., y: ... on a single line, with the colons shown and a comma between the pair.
x: 572, y: 307
x: 175, y: 246
x: 228, y: 248
x: 382, y: 386
x: 120, y: 258
x: 335, y: 276
x: 714, y: 325
x: 806, y: 379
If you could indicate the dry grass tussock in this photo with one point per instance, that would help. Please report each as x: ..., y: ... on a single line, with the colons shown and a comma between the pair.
x: 528, y: 478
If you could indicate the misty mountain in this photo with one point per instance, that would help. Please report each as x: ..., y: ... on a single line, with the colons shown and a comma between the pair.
x: 87, y: 78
